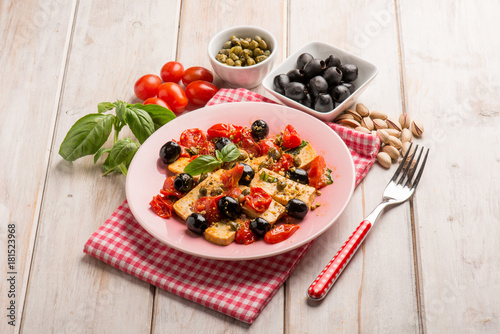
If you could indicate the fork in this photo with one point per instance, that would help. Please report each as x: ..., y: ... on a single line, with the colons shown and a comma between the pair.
x: 400, y: 188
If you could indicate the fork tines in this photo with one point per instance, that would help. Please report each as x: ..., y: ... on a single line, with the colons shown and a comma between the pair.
x: 409, y: 166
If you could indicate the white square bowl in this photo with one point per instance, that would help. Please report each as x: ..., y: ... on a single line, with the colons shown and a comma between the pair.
x: 366, y: 72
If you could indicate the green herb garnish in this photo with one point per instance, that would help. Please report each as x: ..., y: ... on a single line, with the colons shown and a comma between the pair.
x: 208, y: 163
x: 296, y: 150
x: 328, y: 175
x: 267, y: 178
x: 89, y: 133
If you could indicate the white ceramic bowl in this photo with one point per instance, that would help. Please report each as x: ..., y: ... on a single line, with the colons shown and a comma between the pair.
x: 245, y: 77
x: 366, y: 72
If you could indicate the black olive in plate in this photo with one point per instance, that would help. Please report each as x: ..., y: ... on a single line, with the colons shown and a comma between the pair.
x: 304, y: 59
x: 349, y: 85
x: 295, y: 75
x: 332, y: 75
x: 317, y: 85
x: 170, y: 152
x: 247, y: 176
x: 229, y: 207
x: 295, y: 91
x: 279, y: 82
x: 313, y: 68
x: 296, y: 208
x: 298, y: 175
x: 349, y: 72
x: 260, y: 129
x: 340, y: 93
x: 196, y: 223
x: 307, y: 101
x: 260, y: 227
x: 183, y: 182
x: 332, y: 61
x: 324, y: 103
x: 221, y: 142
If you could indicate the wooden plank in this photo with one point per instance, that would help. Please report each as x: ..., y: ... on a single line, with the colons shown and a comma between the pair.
x: 68, y: 291
x: 451, y: 66
x: 199, y: 22
x: 376, y: 293
x: 29, y: 32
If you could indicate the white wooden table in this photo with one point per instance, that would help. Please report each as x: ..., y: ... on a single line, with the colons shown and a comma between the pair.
x: 430, y: 265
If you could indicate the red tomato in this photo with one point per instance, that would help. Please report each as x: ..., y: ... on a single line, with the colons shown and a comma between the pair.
x: 244, y: 235
x: 290, y: 137
x: 248, y: 143
x: 258, y: 199
x: 169, y: 189
x: 157, y: 101
x: 317, y: 177
x: 231, y: 177
x: 230, y: 131
x: 172, y: 72
x: 266, y: 144
x: 184, y: 153
x: 192, y: 137
x: 208, y: 205
x: 283, y: 164
x: 196, y: 73
x: 207, y: 148
x: 199, y: 92
x: 174, y: 96
x: 280, y: 233
x: 233, y: 192
x: 162, y: 206
x: 147, y: 86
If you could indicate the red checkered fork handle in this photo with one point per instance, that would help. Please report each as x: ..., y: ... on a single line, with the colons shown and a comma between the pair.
x: 324, y: 282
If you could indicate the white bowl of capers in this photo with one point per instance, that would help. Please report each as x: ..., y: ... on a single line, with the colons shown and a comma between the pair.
x: 242, y: 56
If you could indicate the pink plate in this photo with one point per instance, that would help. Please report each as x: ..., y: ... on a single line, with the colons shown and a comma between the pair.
x: 147, y: 173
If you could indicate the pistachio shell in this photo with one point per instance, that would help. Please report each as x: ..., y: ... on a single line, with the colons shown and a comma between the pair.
x: 405, y: 147
x: 406, y: 135
x: 404, y: 121
x: 379, y: 124
x: 383, y: 135
x: 392, y: 151
x: 356, y: 116
x: 393, y: 132
x: 417, y: 128
x: 384, y: 159
x: 344, y: 116
x: 349, y: 122
x: 367, y: 123
x: 393, y: 141
x: 362, y: 110
x: 363, y: 129
x: 376, y: 114
x: 392, y: 124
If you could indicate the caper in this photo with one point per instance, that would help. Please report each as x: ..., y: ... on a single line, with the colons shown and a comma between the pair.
x: 203, y: 177
x: 260, y: 59
x: 267, y: 53
x: 258, y: 38
x: 226, y: 51
x: 232, y: 37
x: 221, y: 57
x: 234, y: 56
x: 274, y: 154
x: 245, y: 191
x: 245, y: 43
x: 227, y: 45
x: 243, y: 155
x: 257, y: 52
x: 250, y: 61
x: 230, y: 62
x: 297, y: 161
x: 216, y: 191
x: 237, y: 50
x: 235, y: 42
x: 278, y: 140
x: 203, y: 191
x: 262, y: 44
x: 264, y: 164
x: 248, y: 39
x: 253, y: 45
x: 281, y: 185
x: 247, y: 53
x: 238, y: 63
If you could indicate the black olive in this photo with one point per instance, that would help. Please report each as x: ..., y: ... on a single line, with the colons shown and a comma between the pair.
x: 296, y: 208
x: 304, y: 59
x: 317, y: 85
x: 170, y: 152
x: 340, y: 93
x: 279, y: 83
x: 333, y: 76
x: 349, y: 85
x: 313, y: 68
x: 295, y: 75
x: 298, y: 175
x: 229, y: 207
x: 247, y: 176
x: 332, y: 61
x: 221, y: 142
x: 259, y: 226
x: 307, y: 101
x: 183, y: 182
x: 196, y: 223
x: 295, y: 91
x: 349, y: 72
x: 260, y: 129
x: 324, y: 103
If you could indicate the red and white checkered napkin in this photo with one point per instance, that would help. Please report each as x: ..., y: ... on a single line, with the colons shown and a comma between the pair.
x: 239, y: 289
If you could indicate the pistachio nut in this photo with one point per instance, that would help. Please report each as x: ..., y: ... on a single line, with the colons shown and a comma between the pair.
x: 344, y: 116
x: 404, y: 149
x: 393, y: 141
x: 356, y: 115
x: 363, y: 129
x: 376, y: 114
x: 379, y: 124
x: 362, y: 110
x: 417, y: 128
x: 384, y: 159
x: 392, y: 151
x: 404, y: 121
x: 393, y: 132
x: 392, y: 124
x: 349, y: 122
x: 406, y: 135
x: 367, y: 123
x: 383, y: 135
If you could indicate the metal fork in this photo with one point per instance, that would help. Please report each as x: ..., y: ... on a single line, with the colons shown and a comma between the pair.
x: 400, y: 188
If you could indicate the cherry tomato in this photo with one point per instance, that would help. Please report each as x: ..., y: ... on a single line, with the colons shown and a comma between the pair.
x: 184, y: 153
x: 233, y: 132
x: 248, y: 143
x: 192, y: 138
x: 147, y: 86
x: 266, y: 144
x: 230, y: 178
x: 244, y: 235
x: 174, y: 96
x: 207, y: 148
x: 280, y: 233
x: 258, y: 199
x: 196, y: 73
x: 172, y: 72
x: 199, y: 92
x: 157, y: 101
x: 233, y: 192
x: 162, y: 206
x: 317, y: 177
x: 169, y: 189
x: 283, y: 164
x: 290, y: 137
x: 208, y: 205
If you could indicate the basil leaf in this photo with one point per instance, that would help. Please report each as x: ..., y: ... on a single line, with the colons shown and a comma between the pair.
x: 296, y: 150
x: 120, y: 110
x: 120, y: 156
x: 140, y: 123
x: 104, y: 106
x: 202, y: 164
x: 219, y: 155
x: 230, y: 152
x: 101, y: 151
x: 160, y: 115
x: 86, y: 136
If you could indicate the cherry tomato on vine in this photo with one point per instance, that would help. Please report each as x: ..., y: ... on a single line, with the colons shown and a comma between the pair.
x: 196, y: 73
x: 174, y: 96
x: 172, y: 72
x: 157, y: 101
x: 199, y: 92
x: 147, y: 86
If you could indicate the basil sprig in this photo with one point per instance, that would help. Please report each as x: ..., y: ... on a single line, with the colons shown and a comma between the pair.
x: 208, y: 163
x: 296, y: 150
x: 89, y: 133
